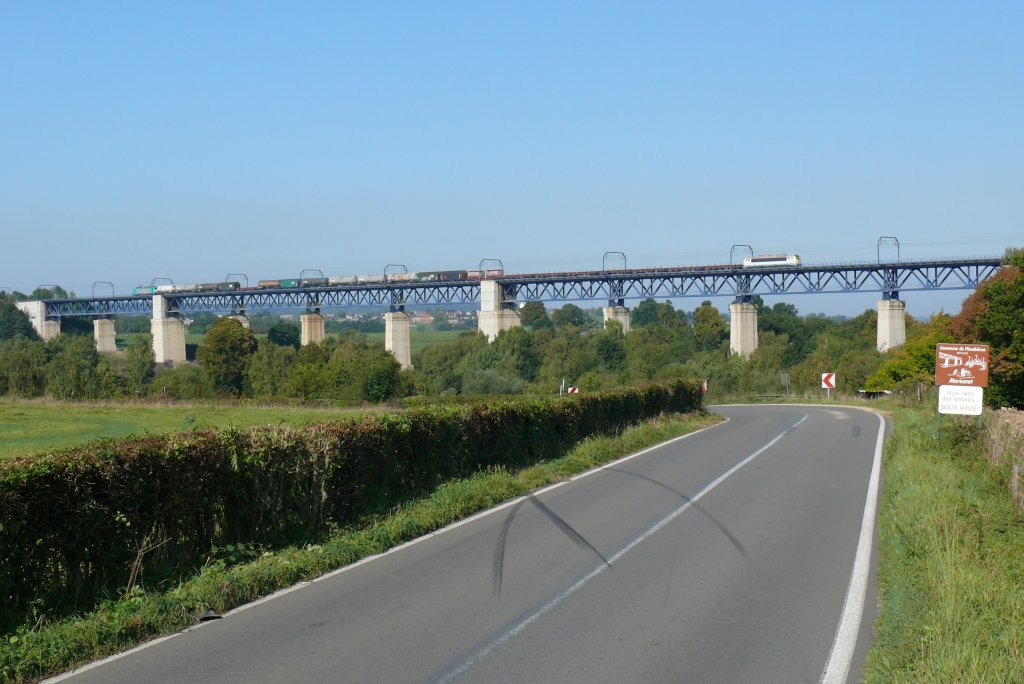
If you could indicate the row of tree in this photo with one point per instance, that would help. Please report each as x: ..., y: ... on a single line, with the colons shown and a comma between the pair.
x: 566, y: 345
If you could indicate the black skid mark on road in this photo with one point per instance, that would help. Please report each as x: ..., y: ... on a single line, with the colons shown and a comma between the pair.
x: 498, y: 568
x: 560, y: 523
x: 693, y: 504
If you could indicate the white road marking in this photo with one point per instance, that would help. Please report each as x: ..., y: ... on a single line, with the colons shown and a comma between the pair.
x: 463, y: 666
x: 838, y: 667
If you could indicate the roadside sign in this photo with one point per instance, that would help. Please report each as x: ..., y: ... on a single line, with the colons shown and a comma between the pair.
x: 574, y: 390
x: 961, y: 401
x: 704, y: 386
x: 828, y: 381
x: 963, y: 365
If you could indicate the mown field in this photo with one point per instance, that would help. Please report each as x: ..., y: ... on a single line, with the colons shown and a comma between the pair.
x: 32, y: 426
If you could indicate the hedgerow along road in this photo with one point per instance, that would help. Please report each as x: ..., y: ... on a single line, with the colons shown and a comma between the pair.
x: 741, y: 553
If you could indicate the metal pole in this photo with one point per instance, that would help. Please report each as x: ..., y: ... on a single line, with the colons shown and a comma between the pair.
x: 733, y: 249
x: 604, y: 260
x: 102, y: 282
x: 878, y: 247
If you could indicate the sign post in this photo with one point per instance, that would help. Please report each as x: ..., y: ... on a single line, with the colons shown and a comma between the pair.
x: 961, y: 372
x: 828, y: 383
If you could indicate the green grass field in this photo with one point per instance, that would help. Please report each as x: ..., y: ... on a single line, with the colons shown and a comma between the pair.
x: 36, y: 426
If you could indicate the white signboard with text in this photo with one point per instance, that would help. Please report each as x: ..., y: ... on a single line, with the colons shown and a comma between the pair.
x: 960, y: 401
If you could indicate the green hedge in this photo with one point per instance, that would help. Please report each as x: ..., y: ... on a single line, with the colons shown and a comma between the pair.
x: 73, y: 521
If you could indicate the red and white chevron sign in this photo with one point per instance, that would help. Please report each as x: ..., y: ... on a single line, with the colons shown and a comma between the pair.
x: 828, y: 381
x: 574, y: 390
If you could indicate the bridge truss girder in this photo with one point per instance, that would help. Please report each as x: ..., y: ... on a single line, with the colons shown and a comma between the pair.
x: 742, y: 284
x: 888, y: 279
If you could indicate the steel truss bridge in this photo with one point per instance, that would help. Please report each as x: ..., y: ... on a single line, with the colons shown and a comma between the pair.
x: 614, y: 286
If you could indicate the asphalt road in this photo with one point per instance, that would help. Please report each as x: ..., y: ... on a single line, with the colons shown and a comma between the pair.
x: 725, y: 556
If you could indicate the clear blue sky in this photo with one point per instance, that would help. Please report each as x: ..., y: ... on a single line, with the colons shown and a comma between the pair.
x: 196, y: 139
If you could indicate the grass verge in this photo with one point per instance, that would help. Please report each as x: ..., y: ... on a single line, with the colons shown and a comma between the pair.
x: 243, y: 574
x: 950, y: 575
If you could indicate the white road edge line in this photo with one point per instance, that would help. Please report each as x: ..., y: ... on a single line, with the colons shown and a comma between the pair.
x: 838, y: 667
x: 463, y: 666
x: 370, y: 559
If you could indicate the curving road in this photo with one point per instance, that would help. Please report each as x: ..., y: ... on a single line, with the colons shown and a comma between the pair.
x: 725, y: 556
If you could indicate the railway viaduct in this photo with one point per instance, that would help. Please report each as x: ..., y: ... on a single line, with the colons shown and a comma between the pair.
x: 500, y: 297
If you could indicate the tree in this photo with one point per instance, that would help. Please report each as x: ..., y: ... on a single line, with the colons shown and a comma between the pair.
x: 13, y: 321
x: 515, y: 355
x: 533, y: 315
x: 440, y: 367
x: 285, y: 335
x: 570, y: 314
x: 268, y: 369
x: 382, y: 379
x: 23, y: 367
x: 566, y: 355
x: 139, y: 364
x: 224, y: 354
x: 309, y: 381
x: 71, y: 371
x: 645, y: 313
x: 914, y: 360
x: 55, y: 292
x: 610, y: 347
x: 994, y: 315
x: 669, y: 317
x: 709, y: 327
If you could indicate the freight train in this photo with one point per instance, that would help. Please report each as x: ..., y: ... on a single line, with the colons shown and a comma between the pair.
x: 760, y: 261
x: 291, y: 283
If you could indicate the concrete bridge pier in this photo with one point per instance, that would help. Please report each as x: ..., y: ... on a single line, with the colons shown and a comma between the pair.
x: 36, y: 312
x: 311, y: 328
x: 742, y: 328
x: 619, y: 314
x: 243, y: 319
x: 495, y: 313
x: 104, y: 332
x: 168, y: 333
x: 892, y: 328
x: 396, y: 337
